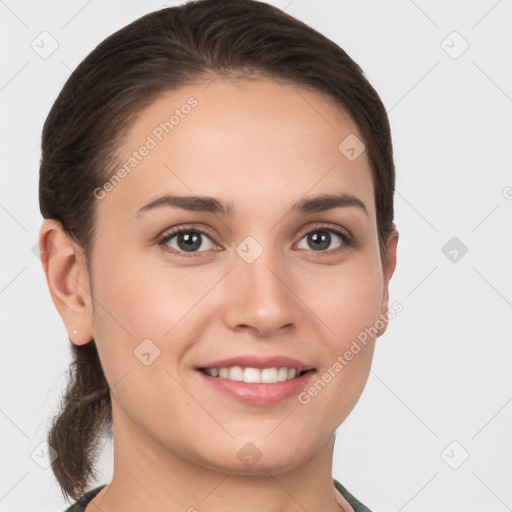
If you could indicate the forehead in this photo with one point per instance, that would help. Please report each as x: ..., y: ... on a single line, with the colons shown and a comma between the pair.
x: 242, y: 141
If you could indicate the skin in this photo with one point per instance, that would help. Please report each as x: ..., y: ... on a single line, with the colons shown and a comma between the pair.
x: 263, y: 146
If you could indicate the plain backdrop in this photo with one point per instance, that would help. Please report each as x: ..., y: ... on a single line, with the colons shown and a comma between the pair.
x: 433, y: 429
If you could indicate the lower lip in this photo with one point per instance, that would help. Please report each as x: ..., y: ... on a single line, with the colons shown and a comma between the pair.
x: 259, y: 394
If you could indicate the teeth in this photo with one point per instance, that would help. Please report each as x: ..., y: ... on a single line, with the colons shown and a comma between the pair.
x: 282, y: 374
x: 269, y: 375
x: 236, y: 373
x: 254, y: 375
x: 251, y: 375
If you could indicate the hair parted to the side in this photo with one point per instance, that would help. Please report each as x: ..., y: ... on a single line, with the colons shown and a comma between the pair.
x: 92, y: 115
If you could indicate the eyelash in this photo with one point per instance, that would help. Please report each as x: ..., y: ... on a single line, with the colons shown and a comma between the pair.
x: 346, y: 239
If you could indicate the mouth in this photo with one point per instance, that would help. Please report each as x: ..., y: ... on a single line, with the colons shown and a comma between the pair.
x: 257, y: 380
x: 253, y: 375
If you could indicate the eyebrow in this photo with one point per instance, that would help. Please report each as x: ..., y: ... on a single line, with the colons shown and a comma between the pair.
x: 211, y: 205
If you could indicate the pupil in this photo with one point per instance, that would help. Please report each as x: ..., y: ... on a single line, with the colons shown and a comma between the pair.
x: 191, y: 242
x: 320, y: 241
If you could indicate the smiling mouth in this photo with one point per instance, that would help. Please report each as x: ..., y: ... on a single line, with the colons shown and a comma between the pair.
x: 255, y: 375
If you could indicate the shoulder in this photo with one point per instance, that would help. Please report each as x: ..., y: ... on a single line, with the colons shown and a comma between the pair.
x: 82, y: 502
x: 354, y: 503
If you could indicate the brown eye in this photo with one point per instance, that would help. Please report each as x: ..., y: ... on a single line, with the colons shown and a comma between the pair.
x: 186, y: 241
x: 322, y: 238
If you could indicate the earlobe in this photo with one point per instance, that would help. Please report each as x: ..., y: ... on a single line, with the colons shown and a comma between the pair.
x: 67, y: 278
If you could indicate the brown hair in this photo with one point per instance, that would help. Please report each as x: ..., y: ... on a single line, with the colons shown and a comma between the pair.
x: 89, y: 120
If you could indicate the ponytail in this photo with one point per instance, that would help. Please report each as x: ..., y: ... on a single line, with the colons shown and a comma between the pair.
x: 85, y: 413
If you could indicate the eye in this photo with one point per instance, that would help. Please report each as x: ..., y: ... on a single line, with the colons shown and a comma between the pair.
x: 188, y: 240
x: 321, y: 238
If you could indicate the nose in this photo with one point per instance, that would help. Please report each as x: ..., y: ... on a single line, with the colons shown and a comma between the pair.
x: 260, y: 296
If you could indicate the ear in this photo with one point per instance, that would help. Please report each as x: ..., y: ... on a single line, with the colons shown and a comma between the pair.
x: 64, y: 265
x: 388, y: 268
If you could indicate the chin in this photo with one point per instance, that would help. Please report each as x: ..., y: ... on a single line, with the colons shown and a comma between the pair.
x: 261, y: 468
x: 258, y: 458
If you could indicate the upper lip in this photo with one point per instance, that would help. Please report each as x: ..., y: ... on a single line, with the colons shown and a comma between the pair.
x: 253, y: 361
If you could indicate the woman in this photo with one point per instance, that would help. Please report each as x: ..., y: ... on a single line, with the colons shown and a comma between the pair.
x: 217, y: 185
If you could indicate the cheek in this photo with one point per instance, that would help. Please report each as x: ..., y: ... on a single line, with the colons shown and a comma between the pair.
x: 128, y: 310
x: 349, y: 314
x: 348, y: 301
x: 137, y: 330
x: 145, y: 299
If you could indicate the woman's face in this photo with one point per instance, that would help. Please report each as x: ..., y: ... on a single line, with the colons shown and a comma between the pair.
x: 253, y: 277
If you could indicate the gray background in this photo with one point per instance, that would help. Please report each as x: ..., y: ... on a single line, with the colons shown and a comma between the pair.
x: 433, y: 429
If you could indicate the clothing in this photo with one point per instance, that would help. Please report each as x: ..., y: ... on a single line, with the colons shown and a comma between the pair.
x: 354, y: 503
x: 82, y: 502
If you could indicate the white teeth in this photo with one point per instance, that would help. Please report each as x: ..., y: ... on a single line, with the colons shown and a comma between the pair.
x: 282, y: 374
x: 269, y: 375
x: 236, y: 373
x: 254, y: 375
